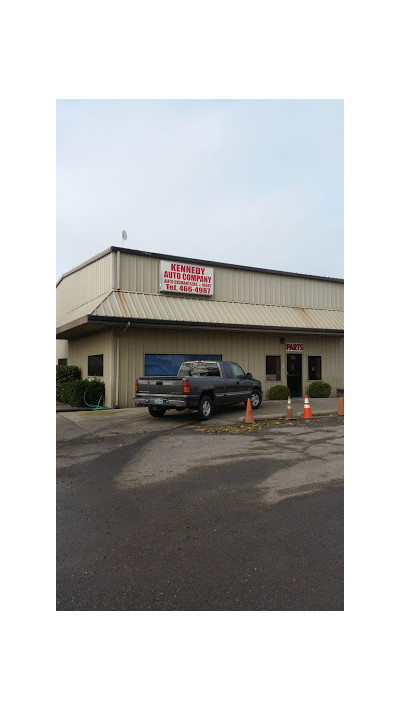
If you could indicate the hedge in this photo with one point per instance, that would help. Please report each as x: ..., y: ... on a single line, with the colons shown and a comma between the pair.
x: 76, y: 392
x: 319, y: 389
x: 278, y: 392
x: 65, y: 374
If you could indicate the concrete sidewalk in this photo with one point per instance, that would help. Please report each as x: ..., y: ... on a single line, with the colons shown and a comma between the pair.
x: 270, y: 409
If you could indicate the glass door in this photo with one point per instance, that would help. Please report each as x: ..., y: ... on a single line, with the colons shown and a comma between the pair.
x: 294, y: 373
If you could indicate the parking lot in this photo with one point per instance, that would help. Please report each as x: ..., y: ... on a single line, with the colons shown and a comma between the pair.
x: 173, y: 514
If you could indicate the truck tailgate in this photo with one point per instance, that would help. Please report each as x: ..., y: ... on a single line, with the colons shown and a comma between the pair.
x: 162, y: 385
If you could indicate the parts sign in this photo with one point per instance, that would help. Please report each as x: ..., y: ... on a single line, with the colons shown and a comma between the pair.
x: 294, y: 348
x: 186, y: 278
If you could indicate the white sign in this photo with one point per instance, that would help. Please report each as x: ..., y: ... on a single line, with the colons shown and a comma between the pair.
x: 294, y: 348
x: 186, y: 278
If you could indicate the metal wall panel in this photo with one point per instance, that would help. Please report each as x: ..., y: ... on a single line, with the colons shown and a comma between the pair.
x: 141, y: 274
x: 61, y: 349
x: 276, y: 290
x: 100, y: 343
x: 249, y: 350
x: 77, y: 292
x: 137, y: 273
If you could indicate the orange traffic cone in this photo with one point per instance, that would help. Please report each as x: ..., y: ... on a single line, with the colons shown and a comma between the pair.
x: 289, y: 415
x: 249, y: 419
x: 341, y: 406
x: 307, y: 409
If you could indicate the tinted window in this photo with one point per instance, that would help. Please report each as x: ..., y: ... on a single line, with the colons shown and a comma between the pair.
x: 228, y: 370
x: 209, y: 370
x: 273, y: 368
x: 169, y: 363
x: 95, y: 365
x: 162, y: 364
x: 314, y: 367
x: 62, y: 361
x: 237, y: 371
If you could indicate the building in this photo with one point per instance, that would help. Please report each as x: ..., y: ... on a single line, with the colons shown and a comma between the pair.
x: 126, y: 313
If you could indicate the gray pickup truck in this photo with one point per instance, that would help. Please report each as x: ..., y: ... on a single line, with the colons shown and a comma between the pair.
x: 199, y: 385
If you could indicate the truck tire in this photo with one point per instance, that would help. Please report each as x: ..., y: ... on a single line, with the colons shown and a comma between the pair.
x: 157, y: 411
x: 255, y: 399
x: 205, y: 408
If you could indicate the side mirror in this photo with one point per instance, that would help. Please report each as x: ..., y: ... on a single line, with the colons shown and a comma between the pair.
x: 249, y: 376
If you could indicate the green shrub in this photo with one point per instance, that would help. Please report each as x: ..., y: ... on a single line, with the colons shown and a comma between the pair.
x: 65, y: 374
x: 94, y: 390
x: 319, y: 389
x: 76, y: 392
x: 72, y: 393
x: 278, y: 392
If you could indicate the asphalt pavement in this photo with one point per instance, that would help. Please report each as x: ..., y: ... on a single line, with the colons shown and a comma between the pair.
x: 269, y: 409
x: 159, y: 514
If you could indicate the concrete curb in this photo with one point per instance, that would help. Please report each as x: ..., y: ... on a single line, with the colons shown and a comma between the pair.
x: 277, y: 416
x: 78, y: 409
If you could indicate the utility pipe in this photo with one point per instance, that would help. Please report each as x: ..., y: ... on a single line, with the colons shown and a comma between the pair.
x: 118, y: 334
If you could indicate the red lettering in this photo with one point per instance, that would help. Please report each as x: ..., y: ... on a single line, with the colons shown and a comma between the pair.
x: 294, y: 347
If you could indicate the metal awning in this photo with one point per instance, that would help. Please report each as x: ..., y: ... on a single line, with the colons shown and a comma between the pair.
x: 180, y: 309
x: 147, y: 309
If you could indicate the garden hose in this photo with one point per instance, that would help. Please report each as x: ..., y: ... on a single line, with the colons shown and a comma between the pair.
x: 93, y: 407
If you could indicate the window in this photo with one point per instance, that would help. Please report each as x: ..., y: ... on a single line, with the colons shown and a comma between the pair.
x: 314, y: 367
x: 273, y: 367
x: 62, y: 361
x: 169, y: 364
x: 201, y: 370
x: 95, y: 365
x: 237, y: 371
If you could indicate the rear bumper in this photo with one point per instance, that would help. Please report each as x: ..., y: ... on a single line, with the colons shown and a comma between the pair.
x: 160, y: 401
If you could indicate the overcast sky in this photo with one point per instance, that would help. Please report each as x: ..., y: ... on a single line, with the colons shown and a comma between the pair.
x: 251, y: 182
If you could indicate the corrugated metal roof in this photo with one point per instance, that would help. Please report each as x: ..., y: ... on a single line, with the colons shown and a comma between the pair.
x: 190, y: 310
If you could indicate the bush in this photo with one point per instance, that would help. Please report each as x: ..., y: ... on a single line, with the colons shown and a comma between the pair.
x: 65, y: 374
x: 72, y: 393
x: 319, y: 389
x: 93, y: 391
x: 76, y: 392
x: 278, y: 392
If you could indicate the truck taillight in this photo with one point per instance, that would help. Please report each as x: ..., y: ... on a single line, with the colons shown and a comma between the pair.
x: 136, y: 386
x: 186, y: 387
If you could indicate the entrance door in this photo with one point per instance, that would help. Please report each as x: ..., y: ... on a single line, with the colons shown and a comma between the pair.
x: 294, y: 374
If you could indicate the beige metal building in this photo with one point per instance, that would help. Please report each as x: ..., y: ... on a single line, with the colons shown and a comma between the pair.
x: 125, y: 313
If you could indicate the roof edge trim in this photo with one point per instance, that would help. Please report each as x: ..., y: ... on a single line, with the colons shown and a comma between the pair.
x: 206, y: 325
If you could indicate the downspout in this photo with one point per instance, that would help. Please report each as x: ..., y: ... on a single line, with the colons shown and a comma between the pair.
x: 118, y: 334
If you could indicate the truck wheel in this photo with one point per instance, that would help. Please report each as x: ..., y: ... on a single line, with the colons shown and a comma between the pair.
x: 205, y: 408
x: 157, y: 411
x: 180, y: 409
x: 255, y: 399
